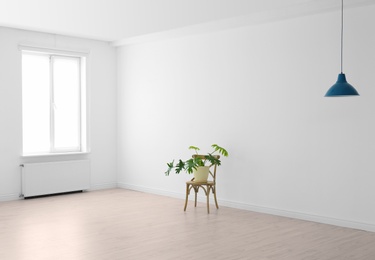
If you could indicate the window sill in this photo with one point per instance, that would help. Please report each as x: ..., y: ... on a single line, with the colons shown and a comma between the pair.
x: 53, y: 154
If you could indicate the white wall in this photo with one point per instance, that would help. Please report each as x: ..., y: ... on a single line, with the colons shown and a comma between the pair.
x: 258, y: 91
x: 102, y: 101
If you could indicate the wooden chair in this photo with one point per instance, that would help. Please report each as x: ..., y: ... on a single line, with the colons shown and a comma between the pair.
x: 207, y: 186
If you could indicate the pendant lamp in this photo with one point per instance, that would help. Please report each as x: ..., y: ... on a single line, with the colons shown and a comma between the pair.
x: 342, y: 88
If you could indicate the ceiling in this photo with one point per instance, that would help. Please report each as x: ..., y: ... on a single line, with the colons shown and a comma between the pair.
x: 124, y: 20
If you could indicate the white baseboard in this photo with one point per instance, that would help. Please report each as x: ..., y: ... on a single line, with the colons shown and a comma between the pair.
x: 103, y: 186
x: 299, y: 215
x: 9, y: 197
x: 151, y: 190
x: 99, y: 186
x: 271, y: 211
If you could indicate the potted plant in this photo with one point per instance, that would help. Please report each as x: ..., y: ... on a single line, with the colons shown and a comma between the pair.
x: 198, y: 164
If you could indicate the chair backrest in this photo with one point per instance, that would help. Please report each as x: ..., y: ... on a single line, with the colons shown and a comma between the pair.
x: 213, y: 174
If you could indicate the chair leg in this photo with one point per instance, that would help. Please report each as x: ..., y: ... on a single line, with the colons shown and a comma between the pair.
x: 187, y: 196
x: 214, y: 192
x: 196, y: 192
x: 208, y: 199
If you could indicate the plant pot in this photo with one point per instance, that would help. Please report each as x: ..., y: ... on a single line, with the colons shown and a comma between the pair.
x: 201, y: 173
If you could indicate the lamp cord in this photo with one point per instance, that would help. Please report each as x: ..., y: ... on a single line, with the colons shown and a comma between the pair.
x: 342, y: 32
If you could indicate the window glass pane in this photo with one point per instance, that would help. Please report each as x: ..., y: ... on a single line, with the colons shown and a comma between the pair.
x: 35, y: 103
x: 52, y: 99
x: 66, y: 97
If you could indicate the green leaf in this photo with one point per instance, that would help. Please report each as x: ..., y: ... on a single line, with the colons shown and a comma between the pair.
x: 191, y: 164
x: 170, y: 167
x: 194, y: 148
x: 180, y: 166
x: 221, y: 150
x: 213, y: 160
x: 198, y: 161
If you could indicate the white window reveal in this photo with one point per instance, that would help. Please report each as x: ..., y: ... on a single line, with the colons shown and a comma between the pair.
x: 53, y: 103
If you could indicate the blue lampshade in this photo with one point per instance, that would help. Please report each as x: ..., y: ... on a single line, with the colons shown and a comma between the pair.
x: 341, y: 88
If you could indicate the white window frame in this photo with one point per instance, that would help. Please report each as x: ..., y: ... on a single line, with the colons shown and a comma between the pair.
x: 83, y: 109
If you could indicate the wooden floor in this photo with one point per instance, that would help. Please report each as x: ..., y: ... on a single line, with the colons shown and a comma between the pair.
x: 123, y: 224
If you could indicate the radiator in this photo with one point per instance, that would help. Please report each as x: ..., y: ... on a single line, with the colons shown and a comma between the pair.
x: 55, y: 177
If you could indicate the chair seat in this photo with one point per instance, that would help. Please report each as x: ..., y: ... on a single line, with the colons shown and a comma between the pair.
x: 200, y: 182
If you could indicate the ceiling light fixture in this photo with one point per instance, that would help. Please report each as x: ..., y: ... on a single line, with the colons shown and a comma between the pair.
x: 342, y: 88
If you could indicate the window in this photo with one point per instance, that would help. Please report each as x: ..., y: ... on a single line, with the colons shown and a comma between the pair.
x: 53, y: 103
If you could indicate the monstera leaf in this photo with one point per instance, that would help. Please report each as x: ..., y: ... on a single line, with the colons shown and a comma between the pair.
x: 221, y: 150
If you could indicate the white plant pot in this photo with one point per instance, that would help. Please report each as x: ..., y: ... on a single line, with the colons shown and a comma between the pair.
x: 201, y: 173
